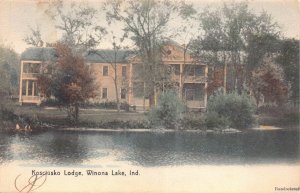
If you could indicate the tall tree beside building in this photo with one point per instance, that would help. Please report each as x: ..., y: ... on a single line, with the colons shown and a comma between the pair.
x: 288, y: 58
x: 113, y: 58
x: 9, y: 71
x: 227, y: 32
x: 34, y: 37
x: 268, y: 83
x: 146, y: 23
x: 76, y: 22
x: 71, y: 81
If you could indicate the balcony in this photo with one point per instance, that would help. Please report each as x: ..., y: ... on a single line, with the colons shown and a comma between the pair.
x: 30, y: 75
x: 30, y: 99
x: 195, y: 79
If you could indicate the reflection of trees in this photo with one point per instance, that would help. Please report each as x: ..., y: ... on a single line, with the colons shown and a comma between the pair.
x: 176, y: 148
x: 5, y: 152
x: 62, y: 148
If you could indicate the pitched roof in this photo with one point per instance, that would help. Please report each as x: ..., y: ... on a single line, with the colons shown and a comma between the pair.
x: 96, y: 56
x: 108, y: 56
x: 39, y: 54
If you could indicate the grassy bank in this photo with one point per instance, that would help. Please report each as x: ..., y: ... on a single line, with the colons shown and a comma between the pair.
x: 54, y: 118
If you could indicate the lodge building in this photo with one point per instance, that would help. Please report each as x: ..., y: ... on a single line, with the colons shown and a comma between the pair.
x: 130, y: 89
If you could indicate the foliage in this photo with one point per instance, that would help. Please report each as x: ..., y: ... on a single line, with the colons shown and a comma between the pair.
x: 268, y: 81
x: 288, y: 58
x: 226, y: 40
x: 9, y: 68
x: 285, y: 115
x: 193, y: 120
x: 34, y: 38
x: 77, y: 23
x: 146, y: 23
x: 71, y: 82
x: 230, y: 110
x: 168, y: 112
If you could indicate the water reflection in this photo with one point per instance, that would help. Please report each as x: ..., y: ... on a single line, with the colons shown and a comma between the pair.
x: 151, y: 149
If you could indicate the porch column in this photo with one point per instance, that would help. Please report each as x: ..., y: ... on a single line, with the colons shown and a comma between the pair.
x: 180, y: 77
x: 26, y: 87
x: 205, y: 86
x: 130, y: 90
x: 21, y: 85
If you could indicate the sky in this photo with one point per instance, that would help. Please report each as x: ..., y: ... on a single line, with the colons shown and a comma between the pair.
x: 17, y: 15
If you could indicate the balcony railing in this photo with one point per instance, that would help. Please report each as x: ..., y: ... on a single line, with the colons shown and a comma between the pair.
x: 195, y: 79
x: 30, y: 99
x: 30, y: 75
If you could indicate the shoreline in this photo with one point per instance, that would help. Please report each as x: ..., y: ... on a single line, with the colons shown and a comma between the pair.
x: 260, y: 128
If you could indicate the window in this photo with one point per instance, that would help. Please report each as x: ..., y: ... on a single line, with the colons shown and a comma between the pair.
x: 105, y: 70
x: 31, y: 67
x: 123, y: 93
x: 35, y: 89
x: 124, y: 72
x: 176, y: 69
x: 194, y: 70
x: 104, y: 93
x: 190, y: 94
x: 24, y: 82
x: 138, y: 89
x: 30, y: 87
x: 199, y: 71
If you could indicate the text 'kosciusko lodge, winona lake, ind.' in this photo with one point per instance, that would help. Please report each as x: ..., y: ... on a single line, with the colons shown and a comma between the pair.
x: 184, y: 73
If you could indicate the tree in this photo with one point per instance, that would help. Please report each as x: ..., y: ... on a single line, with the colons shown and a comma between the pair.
x: 288, y: 58
x: 268, y: 82
x: 146, y: 23
x: 227, y: 32
x: 77, y: 23
x: 34, y: 38
x: 118, y: 51
x: 9, y: 70
x: 71, y: 81
x: 185, y: 34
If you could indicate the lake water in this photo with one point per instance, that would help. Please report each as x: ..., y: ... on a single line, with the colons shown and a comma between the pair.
x: 148, y: 149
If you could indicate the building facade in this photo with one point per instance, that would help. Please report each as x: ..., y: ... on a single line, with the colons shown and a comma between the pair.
x: 185, y: 74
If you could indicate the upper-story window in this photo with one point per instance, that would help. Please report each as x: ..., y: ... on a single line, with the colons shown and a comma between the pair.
x: 105, y: 71
x: 175, y: 69
x: 194, y: 70
x: 31, y: 67
x: 124, y: 71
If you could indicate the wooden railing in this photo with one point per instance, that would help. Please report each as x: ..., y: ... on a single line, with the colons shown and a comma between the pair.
x: 30, y: 75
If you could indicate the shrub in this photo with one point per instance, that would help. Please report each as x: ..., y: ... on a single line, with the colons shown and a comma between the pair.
x: 193, y: 120
x: 168, y: 112
x: 230, y: 110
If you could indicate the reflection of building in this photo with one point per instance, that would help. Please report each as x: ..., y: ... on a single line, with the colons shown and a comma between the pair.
x: 185, y: 74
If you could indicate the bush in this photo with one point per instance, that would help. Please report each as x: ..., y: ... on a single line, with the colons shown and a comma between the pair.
x: 193, y: 120
x: 168, y: 112
x: 230, y: 110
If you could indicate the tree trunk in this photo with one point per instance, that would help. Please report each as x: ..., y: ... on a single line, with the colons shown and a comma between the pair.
x: 73, y: 113
x: 117, y: 95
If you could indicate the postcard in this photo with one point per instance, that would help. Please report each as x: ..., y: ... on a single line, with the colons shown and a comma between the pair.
x: 149, y: 96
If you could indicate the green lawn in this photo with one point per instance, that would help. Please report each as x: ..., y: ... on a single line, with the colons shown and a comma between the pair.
x: 85, y: 115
